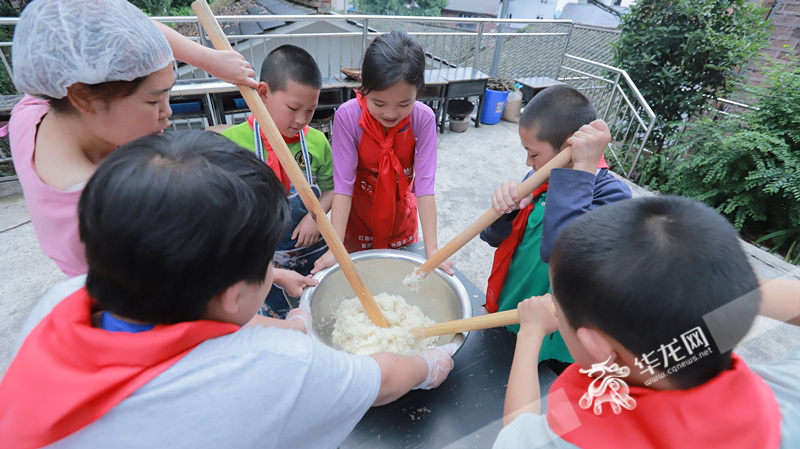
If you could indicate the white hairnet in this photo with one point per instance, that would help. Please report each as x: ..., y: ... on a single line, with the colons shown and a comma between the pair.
x: 58, y: 43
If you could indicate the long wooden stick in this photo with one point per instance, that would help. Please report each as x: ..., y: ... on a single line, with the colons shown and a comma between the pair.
x: 209, y: 22
x: 490, y: 216
x: 498, y: 319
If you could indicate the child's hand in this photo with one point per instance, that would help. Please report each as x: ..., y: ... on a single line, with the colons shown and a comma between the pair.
x: 506, y: 198
x: 535, y: 314
x: 230, y: 66
x: 447, y: 265
x: 325, y: 261
x: 294, y: 282
x: 588, y: 145
x: 306, y: 232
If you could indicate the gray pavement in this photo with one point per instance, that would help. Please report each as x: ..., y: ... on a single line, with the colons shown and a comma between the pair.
x: 470, y: 166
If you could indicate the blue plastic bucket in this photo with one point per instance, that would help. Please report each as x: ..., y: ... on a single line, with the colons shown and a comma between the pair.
x: 493, y: 103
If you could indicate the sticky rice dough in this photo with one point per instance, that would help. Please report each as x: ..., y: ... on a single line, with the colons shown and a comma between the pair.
x: 355, y: 332
x: 414, y: 280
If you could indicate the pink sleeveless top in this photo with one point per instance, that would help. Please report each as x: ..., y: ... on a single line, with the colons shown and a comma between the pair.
x: 54, y: 213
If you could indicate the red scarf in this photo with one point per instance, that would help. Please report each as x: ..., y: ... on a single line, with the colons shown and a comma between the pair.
x: 68, y: 374
x: 742, y: 406
x: 391, y: 177
x: 272, y: 159
x: 504, y: 251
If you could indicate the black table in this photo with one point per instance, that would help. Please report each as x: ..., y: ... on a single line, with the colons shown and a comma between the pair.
x: 533, y: 85
x: 435, y: 92
x: 461, y: 83
x: 466, y: 411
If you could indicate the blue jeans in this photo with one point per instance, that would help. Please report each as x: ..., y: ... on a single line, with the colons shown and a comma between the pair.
x: 278, y: 303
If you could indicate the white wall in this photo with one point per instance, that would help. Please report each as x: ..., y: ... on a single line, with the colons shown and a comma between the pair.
x: 532, y: 9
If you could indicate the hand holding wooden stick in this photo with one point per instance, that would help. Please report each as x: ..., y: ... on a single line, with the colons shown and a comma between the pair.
x: 209, y: 22
x: 497, y: 319
x: 562, y: 159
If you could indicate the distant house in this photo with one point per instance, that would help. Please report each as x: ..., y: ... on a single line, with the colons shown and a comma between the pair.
x: 531, y: 9
x: 590, y: 14
x: 472, y: 9
x: 331, y: 56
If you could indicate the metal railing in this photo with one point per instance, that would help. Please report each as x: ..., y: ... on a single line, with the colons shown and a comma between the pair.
x: 618, y: 102
x: 537, y: 48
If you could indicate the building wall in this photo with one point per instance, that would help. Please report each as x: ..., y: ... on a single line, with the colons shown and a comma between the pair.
x: 532, y: 9
x: 487, y: 27
x: 785, y: 15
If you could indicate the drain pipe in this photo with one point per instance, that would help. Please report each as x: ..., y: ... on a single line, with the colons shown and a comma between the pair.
x: 498, y: 45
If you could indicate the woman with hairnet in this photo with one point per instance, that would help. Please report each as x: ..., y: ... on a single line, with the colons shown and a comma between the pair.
x: 96, y: 74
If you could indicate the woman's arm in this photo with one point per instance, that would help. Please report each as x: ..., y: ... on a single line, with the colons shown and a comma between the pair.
x: 780, y: 300
x: 227, y: 65
x: 427, y: 217
x: 400, y: 374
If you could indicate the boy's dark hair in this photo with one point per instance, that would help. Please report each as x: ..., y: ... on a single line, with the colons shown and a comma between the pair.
x: 647, y: 270
x: 170, y: 221
x: 557, y: 112
x: 391, y: 58
x: 289, y: 62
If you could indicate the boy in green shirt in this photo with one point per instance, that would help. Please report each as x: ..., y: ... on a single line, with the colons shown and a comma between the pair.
x: 289, y: 87
x: 558, y: 117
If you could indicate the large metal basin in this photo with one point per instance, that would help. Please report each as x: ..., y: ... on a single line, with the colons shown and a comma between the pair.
x: 441, y: 297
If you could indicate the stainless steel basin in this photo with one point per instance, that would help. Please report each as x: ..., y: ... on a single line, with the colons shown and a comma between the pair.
x: 441, y: 297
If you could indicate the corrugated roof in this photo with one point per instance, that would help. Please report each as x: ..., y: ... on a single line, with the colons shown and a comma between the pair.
x: 483, y: 7
x: 264, y: 8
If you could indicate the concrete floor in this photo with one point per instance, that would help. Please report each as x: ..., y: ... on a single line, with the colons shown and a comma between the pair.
x: 470, y: 166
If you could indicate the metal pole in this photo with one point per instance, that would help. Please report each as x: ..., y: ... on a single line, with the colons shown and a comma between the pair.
x: 478, y: 38
x: 566, y: 47
x: 498, y: 45
x: 364, y: 36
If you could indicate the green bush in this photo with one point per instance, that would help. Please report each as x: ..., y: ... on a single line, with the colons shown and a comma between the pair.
x: 681, y: 52
x: 748, y: 167
x: 153, y: 7
x: 6, y: 34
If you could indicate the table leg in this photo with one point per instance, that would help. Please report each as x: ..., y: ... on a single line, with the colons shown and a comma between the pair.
x: 444, y: 115
x: 478, y: 115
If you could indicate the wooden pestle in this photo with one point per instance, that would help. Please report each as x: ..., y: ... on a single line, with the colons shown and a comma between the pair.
x: 562, y: 159
x: 497, y: 319
x: 209, y: 22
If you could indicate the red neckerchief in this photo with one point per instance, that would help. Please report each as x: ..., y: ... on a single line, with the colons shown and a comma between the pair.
x: 504, y: 251
x: 68, y: 374
x: 272, y: 159
x: 742, y: 406
x: 391, y: 177
x: 603, y: 163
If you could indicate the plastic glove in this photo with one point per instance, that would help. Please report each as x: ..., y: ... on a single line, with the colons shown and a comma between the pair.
x: 302, y: 312
x: 440, y: 363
